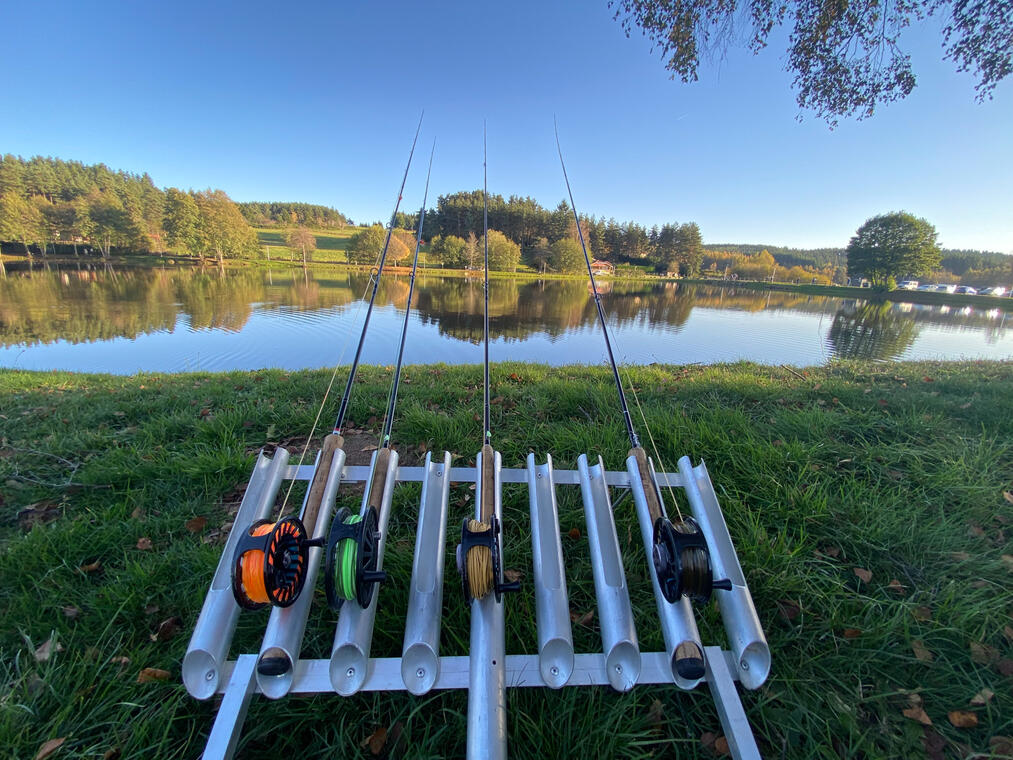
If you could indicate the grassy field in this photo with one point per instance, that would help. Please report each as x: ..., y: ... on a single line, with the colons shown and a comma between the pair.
x: 866, y: 503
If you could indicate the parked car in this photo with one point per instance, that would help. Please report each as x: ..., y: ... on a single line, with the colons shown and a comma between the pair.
x: 908, y: 285
x: 998, y: 290
x: 966, y: 290
x: 946, y: 288
x: 926, y: 287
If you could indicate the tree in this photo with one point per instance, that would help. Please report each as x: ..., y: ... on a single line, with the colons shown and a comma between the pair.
x: 182, y: 220
x: 19, y: 220
x: 365, y: 247
x: 108, y: 220
x: 538, y: 254
x: 301, y: 239
x: 223, y: 229
x: 566, y: 255
x: 504, y: 253
x: 449, y: 251
x: 845, y: 56
x: 891, y: 246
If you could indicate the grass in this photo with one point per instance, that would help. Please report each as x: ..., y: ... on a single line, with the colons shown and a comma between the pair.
x: 895, y: 469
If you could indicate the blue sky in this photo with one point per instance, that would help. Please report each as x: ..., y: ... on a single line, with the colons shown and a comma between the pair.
x: 318, y: 102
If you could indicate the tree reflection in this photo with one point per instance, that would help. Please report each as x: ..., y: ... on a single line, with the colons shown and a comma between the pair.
x: 866, y: 330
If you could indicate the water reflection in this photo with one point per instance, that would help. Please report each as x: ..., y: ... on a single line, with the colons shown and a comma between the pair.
x: 43, y: 314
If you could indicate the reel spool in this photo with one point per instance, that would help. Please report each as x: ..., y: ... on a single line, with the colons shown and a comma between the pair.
x: 483, y: 541
x: 269, y: 566
x: 682, y: 561
x: 350, y: 571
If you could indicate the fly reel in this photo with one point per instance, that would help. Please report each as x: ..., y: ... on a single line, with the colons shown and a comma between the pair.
x: 479, y: 560
x: 682, y: 561
x: 269, y: 565
x: 351, y: 559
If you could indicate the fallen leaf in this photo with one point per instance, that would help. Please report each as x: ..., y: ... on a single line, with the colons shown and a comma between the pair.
x: 864, y: 574
x: 1005, y: 666
x: 896, y: 586
x: 112, y: 754
x: 831, y: 551
x: 935, y: 745
x: 979, y: 584
x: 789, y: 609
x: 196, y: 524
x: 40, y: 513
x: 975, y: 530
x: 167, y: 629
x: 921, y: 652
x: 983, y: 654
x: 1001, y: 746
x: 962, y: 718
x: 138, y: 513
x: 1007, y: 559
x: 966, y: 406
x: 49, y: 748
x: 656, y: 713
x: 1008, y: 496
x: 71, y: 611
x: 574, y: 533
x: 922, y: 613
x: 370, y: 448
x: 120, y: 660
x: 927, y: 379
x: 144, y: 543
x: 960, y: 556
x: 512, y: 575
x: 585, y: 619
x: 149, y: 675
x: 777, y: 442
x: 852, y: 633
x: 918, y: 714
x: 721, y: 746
x: 1007, y: 631
x: 47, y: 649
x: 982, y: 697
x: 515, y: 377
x: 375, y: 741
x: 707, y: 739
x: 883, y: 402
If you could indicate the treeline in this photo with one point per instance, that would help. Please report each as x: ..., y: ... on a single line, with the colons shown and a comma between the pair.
x: 288, y: 214
x: 47, y: 203
x: 535, y: 229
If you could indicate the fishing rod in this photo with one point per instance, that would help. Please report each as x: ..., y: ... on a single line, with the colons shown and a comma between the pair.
x: 479, y: 555
x: 680, y: 555
x: 270, y: 563
x: 351, y: 558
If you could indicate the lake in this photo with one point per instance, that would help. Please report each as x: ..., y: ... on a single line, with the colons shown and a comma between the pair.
x: 123, y: 320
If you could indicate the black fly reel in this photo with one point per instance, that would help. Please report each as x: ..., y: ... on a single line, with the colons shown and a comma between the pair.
x: 682, y: 561
x: 269, y: 564
x: 482, y: 571
x: 350, y: 570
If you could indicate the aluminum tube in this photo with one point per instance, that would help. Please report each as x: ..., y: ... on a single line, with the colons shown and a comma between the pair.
x: 677, y: 622
x: 487, y: 737
x: 552, y: 611
x: 209, y: 645
x: 618, y: 635
x: 353, y: 635
x: 742, y: 624
x: 420, y: 655
x: 287, y: 625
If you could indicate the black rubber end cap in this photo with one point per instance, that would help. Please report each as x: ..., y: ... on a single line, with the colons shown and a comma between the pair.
x: 273, y: 666
x: 690, y: 668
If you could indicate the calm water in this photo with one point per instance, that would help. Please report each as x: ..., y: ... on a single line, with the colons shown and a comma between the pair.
x: 124, y: 321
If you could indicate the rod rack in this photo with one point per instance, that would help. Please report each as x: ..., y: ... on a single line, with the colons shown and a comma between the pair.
x: 208, y: 672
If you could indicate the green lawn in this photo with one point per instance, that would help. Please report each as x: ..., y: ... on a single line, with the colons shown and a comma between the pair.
x: 898, y: 470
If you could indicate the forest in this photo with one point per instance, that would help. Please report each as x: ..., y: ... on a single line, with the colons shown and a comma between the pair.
x: 49, y: 205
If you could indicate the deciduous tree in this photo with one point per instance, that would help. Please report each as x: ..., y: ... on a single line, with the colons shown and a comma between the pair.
x: 301, y: 239
x: 566, y: 255
x: 891, y: 246
x: 504, y: 253
x: 846, y: 57
x: 365, y: 247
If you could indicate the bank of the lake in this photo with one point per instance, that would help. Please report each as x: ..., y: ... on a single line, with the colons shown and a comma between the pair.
x: 116, y: 493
